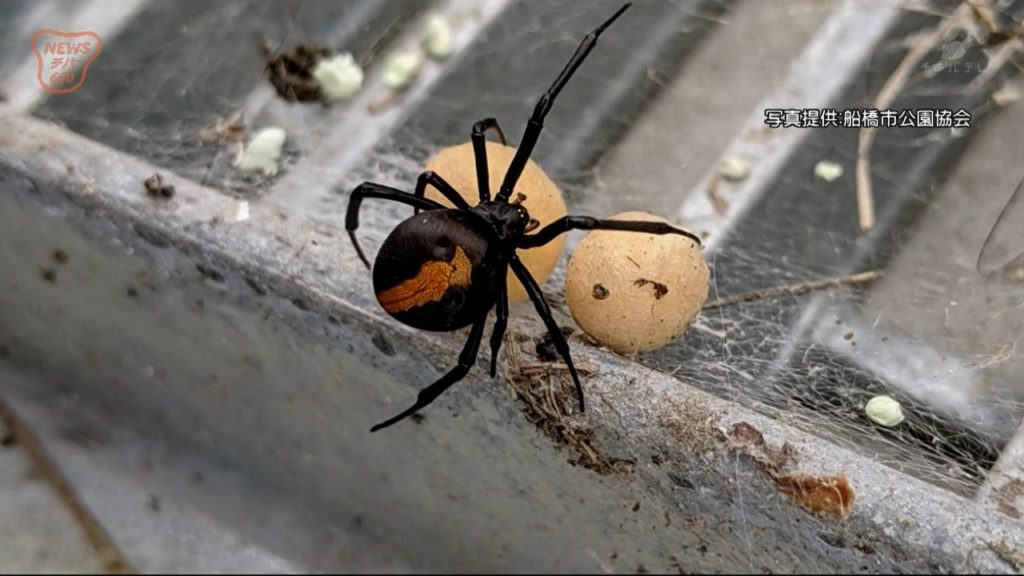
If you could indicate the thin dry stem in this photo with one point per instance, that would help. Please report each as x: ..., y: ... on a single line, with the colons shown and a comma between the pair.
x: 793, y: 289
x: 110, y: 555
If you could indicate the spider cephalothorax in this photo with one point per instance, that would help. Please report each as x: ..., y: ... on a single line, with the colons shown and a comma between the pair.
x: 443, y: 269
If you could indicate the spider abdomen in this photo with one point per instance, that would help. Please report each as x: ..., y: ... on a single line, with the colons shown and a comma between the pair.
x: 439, y: 270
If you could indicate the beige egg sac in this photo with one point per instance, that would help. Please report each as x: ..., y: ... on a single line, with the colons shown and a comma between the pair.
x: 543, y: 200
x: 632, y: 291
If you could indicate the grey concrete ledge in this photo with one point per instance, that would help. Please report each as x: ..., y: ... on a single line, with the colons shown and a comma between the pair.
x: 258, y: 343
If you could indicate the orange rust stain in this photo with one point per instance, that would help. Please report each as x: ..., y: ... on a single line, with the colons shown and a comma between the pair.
x: 819, y: 494
x: 429, y: 284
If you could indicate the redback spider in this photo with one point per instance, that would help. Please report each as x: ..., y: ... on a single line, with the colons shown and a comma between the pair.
x: 444, y: 269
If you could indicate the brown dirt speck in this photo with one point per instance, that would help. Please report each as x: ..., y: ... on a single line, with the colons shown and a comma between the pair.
x: 659, y: 289
x: 156, y: 187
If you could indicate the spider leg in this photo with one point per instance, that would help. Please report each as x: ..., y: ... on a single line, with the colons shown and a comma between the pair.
x: 442, y: 186
x: 500, y: 324
x: 372, y: 190
x: 466, y: 360
x: 545, y: 314
x: 480, y: 154
x: 536, y: 122
x: 566, y: 223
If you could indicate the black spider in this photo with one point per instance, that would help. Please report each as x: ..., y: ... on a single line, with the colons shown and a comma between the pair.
x: 444, y: 269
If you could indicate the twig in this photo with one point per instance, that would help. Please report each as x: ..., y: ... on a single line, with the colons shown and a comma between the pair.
x: 793, y: 289
x: 545, y: 367
x: 110, y: 555
x: 896, y: 81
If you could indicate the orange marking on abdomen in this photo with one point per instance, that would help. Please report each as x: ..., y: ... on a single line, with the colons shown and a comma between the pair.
x: 429, y: 284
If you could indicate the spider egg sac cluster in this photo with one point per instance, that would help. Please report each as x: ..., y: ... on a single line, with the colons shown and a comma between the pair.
x: 634, y: 292
x: 543, y: 200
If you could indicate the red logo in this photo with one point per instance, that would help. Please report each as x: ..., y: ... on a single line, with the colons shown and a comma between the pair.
x: 64, y: 58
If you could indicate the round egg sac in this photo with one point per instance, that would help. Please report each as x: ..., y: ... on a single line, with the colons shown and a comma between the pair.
x: 543, y: 200
x: 634, y: 292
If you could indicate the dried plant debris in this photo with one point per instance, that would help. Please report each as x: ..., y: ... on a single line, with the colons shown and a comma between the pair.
x: 750, y: 441
x: 691, y: 424
x: 223, y: 131
x: 1008, y: 553
x: 1009, y: 497
x: 828, y: 494
x: 291, y: 72
x: 547, y: 398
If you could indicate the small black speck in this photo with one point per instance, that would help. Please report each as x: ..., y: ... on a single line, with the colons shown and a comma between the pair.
x: 383, y: 345
x: 8, y: 440
x: 211, y: 273
x: 132, y: 292
x: 680, y: 481
x: 636, y: 507
x: 885, y: 338
x: 657, y: 459
x: 257, y: 287
x: 152, y: 235
x: 641, y: 569
x: 48, y: 275
x: 418, y: 418
x: 300, y: 303
x: 357, y: 520
x: 59, y: 256
x: 154, y: 503
x: 599, y: 292
x: 864, y: 549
